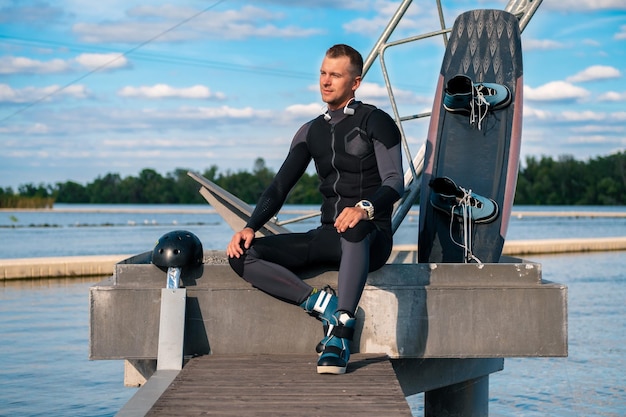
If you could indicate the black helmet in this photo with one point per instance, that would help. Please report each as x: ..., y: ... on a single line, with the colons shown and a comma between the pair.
x: 178, y: 249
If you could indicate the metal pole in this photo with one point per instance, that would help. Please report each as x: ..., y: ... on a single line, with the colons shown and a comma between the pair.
x: 524, y: 10
x: 385, y: 35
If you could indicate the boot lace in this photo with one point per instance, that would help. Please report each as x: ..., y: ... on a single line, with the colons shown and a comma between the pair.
x: 466, y: 202
x: 479, y: 104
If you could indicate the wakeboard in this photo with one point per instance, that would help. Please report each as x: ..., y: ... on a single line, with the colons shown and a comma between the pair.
x: 473, y: 145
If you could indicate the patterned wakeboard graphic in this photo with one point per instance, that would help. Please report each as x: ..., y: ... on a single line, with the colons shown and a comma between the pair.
x: 485, y: 44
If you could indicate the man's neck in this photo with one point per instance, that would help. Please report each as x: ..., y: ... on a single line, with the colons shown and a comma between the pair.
x: 332, y: 107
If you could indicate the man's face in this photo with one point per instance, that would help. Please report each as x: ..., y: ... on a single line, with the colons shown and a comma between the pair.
x: 337, y: 84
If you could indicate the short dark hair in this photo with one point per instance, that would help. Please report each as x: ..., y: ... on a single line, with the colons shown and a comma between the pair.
x: 356, y: 60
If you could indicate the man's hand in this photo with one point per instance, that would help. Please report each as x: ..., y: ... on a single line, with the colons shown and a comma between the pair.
x: 234, y: 250
x: 349, y: 217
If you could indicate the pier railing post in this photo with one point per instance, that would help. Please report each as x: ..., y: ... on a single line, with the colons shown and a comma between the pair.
x: 171, y: 329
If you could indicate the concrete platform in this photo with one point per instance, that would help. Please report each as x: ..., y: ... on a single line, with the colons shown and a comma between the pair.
x: 407, y: 310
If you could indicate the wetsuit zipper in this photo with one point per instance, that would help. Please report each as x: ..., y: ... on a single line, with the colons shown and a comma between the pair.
x: 334, y: 155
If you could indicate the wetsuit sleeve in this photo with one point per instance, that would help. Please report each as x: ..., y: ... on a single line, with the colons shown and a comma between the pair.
x: 387, y: 147
x: 288, y: 175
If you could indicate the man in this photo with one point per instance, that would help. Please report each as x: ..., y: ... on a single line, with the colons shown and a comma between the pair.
x: 357, y: 155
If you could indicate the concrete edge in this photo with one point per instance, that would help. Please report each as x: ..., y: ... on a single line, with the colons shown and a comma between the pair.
x: 60, y: 267
x: 143, y: 400
x: 101, y: 265
x: 551, y: 246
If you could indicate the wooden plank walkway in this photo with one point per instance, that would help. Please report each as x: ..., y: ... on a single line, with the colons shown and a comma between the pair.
x: 282, y: 385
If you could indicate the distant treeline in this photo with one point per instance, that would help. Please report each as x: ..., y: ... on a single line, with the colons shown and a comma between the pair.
x: 544, y: 181
x: 150, y: 187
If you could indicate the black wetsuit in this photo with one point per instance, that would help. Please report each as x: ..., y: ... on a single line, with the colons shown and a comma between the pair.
x: 357, y: 157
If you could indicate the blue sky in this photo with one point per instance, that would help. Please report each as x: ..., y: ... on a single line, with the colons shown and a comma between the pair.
x: 89, y: 88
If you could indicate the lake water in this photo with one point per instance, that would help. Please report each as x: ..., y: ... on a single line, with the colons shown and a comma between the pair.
x: 71, y: 230
x: 44, y: 370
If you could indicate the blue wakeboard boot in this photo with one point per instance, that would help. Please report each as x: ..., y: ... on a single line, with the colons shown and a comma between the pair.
x: 458, y: 95
x: 336, y: 345
x: 455, y: 200
x: 493, y: 96
x: 464, y: 96
x: 322, y: 305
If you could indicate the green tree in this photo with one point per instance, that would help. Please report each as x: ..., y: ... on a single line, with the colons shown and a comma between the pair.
x: 105, y: 190
x: 306, y: 191
x: 71, y: 192
x: 184, y: 187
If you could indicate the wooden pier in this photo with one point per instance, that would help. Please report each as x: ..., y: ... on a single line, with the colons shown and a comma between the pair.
x: 282, y: 385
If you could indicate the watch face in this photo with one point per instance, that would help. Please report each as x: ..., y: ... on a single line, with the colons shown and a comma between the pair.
x: 365, y: 203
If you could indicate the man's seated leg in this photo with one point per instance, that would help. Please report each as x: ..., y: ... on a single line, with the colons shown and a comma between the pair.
x: 267, y: 266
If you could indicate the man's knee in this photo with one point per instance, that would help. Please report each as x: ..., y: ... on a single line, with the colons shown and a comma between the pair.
x: 237, y: 264
x: 358, y: 233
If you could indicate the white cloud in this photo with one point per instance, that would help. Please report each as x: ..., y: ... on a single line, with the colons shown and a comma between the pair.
x: 221, y: 113
x: 591, y: 42
x: 601, y: 128
x: 615, y: 143
x: 158, y: 142
x: 593, y: 116
x: 247, y: 22
x: 621, y: 34
x: 23, y: 65
x: 37, y: 13
x: 38, y: 128
x: 366, y: 26
x: 534, y: 113
x: 587, y: 139
x: 585, y: 5
x: 159, y: 91
x: 164, y: 25
x: 612, y: 96
x: 555, y: 91
x: 377, y: 94
x: 416, y: 19
x: 579, y: 121
x: 102, y: 61
x: 9, y: 94
x: 125, y: 32
x: 595, y: 72
x: 305, y: 110
x: 28, y: 129
x: 619, y: 116
x: 583, y: 116
x: 166, y: 11
x: 372, y: 90
x: 113, y: 121
x: 541, y: 44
